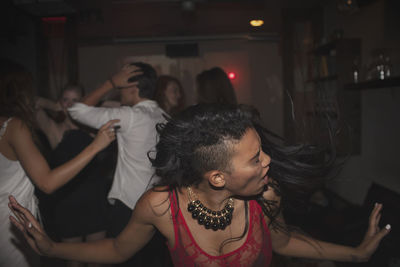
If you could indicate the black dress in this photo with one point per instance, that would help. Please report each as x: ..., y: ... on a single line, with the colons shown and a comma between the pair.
x: 80, y: 207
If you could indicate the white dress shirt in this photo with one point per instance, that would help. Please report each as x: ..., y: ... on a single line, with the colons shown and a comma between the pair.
x: 136, y: 137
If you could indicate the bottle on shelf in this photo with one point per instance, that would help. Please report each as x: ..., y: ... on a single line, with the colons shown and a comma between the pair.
x: 380, y: 67
x: 388, y: 67
x: 356, y: 71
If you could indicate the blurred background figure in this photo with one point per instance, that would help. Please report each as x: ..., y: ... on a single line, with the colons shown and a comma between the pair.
x: 214, y: 86
x: 52, y: 117
x: 86, y: 196
x: 169, y: 94
x: 78, y: 212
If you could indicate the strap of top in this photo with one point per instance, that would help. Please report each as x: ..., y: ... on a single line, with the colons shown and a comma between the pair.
x: 173, y: 199
x: 4, y: 127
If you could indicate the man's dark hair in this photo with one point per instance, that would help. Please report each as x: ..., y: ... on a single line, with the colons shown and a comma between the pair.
x: 147, y: 80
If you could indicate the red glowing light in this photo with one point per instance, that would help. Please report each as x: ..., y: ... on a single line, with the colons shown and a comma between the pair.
x: 231, y: 75
x: 54, y: 19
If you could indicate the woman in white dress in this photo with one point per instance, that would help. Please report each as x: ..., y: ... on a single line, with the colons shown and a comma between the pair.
x: 22, y: 166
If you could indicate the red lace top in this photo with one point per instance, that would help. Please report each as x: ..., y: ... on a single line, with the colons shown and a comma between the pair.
x: 255, y: 251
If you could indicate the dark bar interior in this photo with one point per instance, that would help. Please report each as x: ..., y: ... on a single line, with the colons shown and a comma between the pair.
x: 310, y: 64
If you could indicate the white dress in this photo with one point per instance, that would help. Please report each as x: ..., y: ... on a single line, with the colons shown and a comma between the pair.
x: 13, y: 181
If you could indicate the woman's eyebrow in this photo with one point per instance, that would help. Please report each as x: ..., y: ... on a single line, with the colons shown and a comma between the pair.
x: 256, y: 155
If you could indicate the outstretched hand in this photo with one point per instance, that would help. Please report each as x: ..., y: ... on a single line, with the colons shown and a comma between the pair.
x: 374, y: 234
x: 30, y: 227
x: 120, y: 79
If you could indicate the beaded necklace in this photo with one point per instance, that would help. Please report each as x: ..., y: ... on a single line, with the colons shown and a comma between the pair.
x: 210, y: 219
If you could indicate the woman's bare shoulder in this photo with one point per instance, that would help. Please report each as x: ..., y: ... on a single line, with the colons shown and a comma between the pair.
x: 154, y: 202
x: 16, y: 126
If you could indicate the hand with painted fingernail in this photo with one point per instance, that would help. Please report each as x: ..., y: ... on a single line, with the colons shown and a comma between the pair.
x: 34, y: 234
x: 374, y: 234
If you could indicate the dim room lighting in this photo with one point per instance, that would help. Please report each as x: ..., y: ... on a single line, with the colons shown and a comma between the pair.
x: 231, y: 75
x: 256, y: 22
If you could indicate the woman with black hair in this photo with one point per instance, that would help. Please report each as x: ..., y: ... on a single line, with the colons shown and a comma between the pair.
x: 214, y: 86
x: 215, y: 203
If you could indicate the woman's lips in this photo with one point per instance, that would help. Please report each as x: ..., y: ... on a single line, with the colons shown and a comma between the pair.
x: 265, y: 177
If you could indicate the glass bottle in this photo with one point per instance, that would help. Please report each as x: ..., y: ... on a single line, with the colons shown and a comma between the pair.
x: 380, y: 67
x: 388, y: 67
x: 356, y: 71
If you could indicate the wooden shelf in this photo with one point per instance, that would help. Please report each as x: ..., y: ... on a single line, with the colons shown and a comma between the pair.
x: 349, y: 46
x: 323, y: 79
x: 324, y: 49
x: 374, y: 84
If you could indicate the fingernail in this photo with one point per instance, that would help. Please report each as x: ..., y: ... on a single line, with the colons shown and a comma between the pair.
x: 29, y: 225
x: 388, y: 227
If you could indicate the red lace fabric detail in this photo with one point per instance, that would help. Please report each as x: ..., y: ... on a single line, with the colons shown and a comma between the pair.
x: 256, y: 250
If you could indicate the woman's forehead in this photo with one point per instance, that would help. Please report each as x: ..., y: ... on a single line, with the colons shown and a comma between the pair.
x: 71, y: 93
x: 249, y: 143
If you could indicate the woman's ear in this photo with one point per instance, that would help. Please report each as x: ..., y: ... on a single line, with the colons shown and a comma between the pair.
x: 215, y: 178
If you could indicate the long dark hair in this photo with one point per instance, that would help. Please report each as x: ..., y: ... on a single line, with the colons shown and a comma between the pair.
x: 194, y: 142
x: 297, y: 170
x: 161, y: 86
x: 214, y: 86
x: 16, y: 92
x: 197, y: 140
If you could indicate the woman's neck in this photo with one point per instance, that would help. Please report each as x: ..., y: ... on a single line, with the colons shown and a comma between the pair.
x: 167, y: 107
x: 214, y: 199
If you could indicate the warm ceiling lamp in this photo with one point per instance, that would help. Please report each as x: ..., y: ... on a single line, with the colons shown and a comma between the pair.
x: 256, y: 22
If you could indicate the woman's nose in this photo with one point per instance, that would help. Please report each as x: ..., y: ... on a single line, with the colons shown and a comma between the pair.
x: 266, y: 159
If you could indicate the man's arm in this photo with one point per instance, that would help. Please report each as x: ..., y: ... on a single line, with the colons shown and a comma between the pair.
x: 97, y: 116
x: 94, y: 117
x: 94, y: 97
x: 117, y: 81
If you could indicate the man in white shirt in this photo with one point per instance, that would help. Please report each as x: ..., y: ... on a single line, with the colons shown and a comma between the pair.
x: 136, y: 136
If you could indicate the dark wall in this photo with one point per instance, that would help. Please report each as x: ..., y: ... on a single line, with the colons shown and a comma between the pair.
x: 117, y: 19
x: 380, y: 107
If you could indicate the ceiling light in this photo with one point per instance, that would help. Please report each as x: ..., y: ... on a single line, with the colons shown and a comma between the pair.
x: 256, y: 22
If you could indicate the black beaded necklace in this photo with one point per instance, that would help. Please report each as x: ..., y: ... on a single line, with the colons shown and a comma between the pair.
x: 210, y: 219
